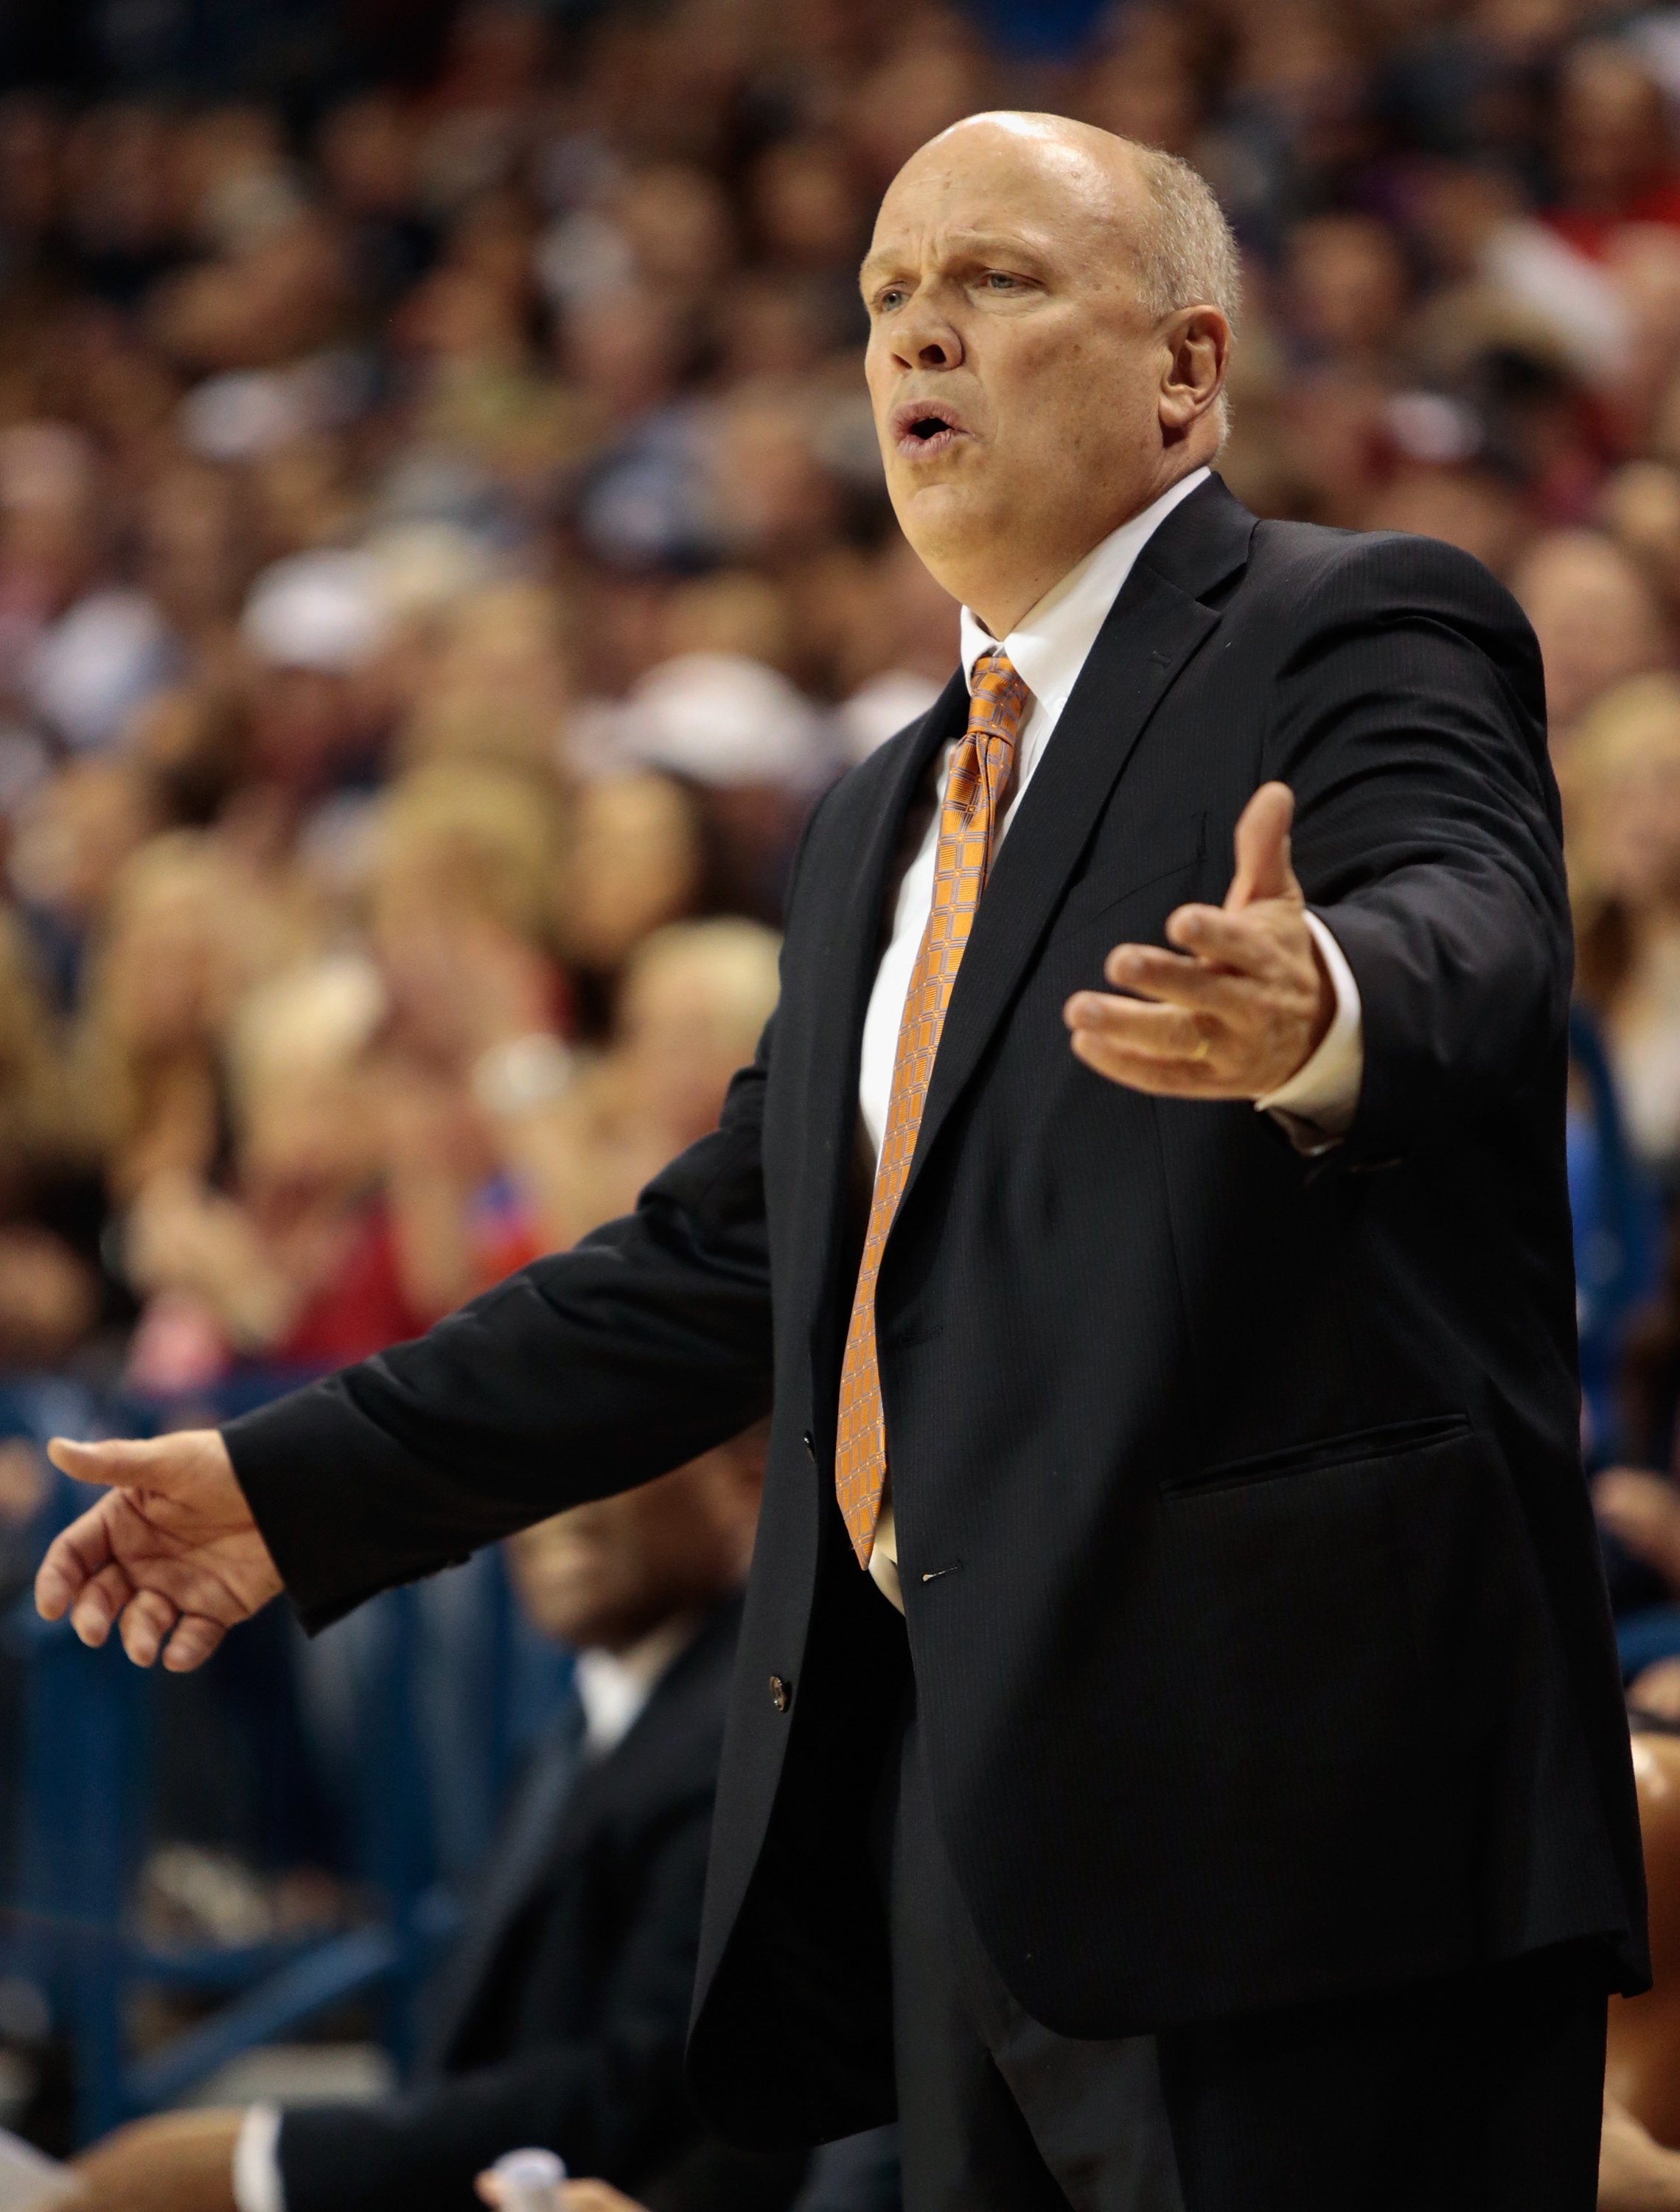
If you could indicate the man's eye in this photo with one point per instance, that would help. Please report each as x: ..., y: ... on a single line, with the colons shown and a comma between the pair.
x: 892, y: 297
x: 999, y: 279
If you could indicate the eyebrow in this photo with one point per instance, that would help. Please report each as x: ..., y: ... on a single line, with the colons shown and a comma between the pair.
x: 968, y: 244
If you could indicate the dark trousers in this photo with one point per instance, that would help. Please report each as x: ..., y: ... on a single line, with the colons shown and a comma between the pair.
x: 1477, y: 2093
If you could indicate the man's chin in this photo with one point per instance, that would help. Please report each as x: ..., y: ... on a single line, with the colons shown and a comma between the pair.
x: 940, y: 519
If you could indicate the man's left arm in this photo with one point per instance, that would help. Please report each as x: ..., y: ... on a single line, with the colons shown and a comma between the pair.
x: 1409, y: 725
x: 1405, y: 738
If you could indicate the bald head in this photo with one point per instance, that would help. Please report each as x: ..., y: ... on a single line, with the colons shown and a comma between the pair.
x: 1092, y: 163
x: 1057, y: 302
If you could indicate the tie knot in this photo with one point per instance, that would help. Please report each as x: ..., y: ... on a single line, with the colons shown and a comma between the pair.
x: 997, y: 696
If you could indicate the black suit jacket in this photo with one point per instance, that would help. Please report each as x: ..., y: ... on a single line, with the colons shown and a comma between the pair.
x: 1258, y: 1627
x: 559, y: 2017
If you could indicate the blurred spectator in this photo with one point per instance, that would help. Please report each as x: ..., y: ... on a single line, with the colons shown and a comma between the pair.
x: 368, y: 152
x: 1640, y: 509
x: 297, y: 1264
x: 50, y: 1292
x: 1617, y: 1217
x: 1350, y: 288
x: 161, y: 983
x: 638, y: 861
x: 1624, y: 790
x: 1612, y: 147
x: 70, y: 838
x: 314, y: 622
x: 495, y: 684
x: 574, y: 1139
x: 561, y: 2015
x: 465, y: 910
x: 1596, y: 618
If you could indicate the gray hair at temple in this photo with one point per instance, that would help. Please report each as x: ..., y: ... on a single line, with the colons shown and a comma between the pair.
x: 1189, y: 253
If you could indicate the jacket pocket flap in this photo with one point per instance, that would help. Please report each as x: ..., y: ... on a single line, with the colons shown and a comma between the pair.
x: 1394, y: 1440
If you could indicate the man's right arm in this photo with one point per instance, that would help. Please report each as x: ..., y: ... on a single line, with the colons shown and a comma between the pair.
x: 587, y: 1372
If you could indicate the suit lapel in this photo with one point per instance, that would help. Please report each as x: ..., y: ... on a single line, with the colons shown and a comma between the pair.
x: 1155, y: 625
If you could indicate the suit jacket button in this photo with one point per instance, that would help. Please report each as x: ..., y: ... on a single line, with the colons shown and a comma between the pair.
x: 781, y: 1692
x: 809, y: 1442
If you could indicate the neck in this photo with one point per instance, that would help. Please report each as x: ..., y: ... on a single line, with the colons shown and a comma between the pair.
x: 1002, y: 601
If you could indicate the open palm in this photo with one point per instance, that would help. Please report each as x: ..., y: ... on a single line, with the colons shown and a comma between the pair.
x: 171, y: 1552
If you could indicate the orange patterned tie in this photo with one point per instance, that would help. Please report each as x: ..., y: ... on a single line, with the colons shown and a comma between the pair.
x: 968, y: 818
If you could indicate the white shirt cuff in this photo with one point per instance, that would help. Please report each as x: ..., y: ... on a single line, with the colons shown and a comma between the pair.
x: 257, y: 2186
x: 1319, y: 1102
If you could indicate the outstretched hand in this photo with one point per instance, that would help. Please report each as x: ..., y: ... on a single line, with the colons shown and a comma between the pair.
x: 171, y: 1552
x: 1242, y: 1005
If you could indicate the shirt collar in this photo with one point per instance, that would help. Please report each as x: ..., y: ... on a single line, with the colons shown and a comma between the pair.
x: 612, y: 1686
x: 1047, y: 647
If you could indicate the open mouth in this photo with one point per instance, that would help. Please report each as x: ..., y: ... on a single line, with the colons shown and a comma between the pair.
x: 922, y: 429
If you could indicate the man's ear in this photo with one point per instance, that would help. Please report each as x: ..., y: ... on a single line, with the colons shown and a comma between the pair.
x: 1196, y: 341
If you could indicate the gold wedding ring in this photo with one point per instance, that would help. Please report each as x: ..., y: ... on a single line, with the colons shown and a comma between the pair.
x: 1203, y: 1050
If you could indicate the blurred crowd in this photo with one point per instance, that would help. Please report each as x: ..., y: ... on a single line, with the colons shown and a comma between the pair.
x: 444, y: 554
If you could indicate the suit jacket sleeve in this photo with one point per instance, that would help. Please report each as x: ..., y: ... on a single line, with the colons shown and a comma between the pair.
x: 612, y: 2103
x: 586, y: 1373
x: 1409, y: 722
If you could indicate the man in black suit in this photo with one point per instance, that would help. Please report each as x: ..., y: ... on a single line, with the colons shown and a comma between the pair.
x: 560, y: 2014
x: 1216, y: 1790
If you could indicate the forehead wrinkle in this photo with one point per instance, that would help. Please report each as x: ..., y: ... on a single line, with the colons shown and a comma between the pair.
x: 964, y: 240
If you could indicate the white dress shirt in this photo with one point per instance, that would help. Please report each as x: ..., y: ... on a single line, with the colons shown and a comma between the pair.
x: 613, y: 1687
x: 1047, y: 649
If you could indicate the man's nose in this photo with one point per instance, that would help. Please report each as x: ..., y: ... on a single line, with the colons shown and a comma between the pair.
x: 925, y: 339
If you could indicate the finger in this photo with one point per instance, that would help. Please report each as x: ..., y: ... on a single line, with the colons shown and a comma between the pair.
x: 73, y: 1558
x: 1137, y: 1071
x: 122, y: 1461
x: 1174, y: 978
x: 100, y: 1603
x: 1136, y: 1025
x: 191, y: 1644
x: 146, y: 1619
x: 1263, y: 868
x: 1244, y: 944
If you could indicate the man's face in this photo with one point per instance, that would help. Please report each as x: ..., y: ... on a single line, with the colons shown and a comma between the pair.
x: 1013, y: 369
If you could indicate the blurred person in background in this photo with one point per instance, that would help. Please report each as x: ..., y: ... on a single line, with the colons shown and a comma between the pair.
x: 1623, y: 786
x: 496, y: 683
x: 465, y: 903
x: 184, y: 931
x: 296, y: 1264
x: 1612, y: 147
x: 1598, y: 621
x: 565, y: 1138
x: 692, y: 1002
x: 313, y: 625
x: 52, y: 1214
x: 71, y: 837
x: 559, y: 2015
x: 638, y: 861
x: 151, y: 1012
